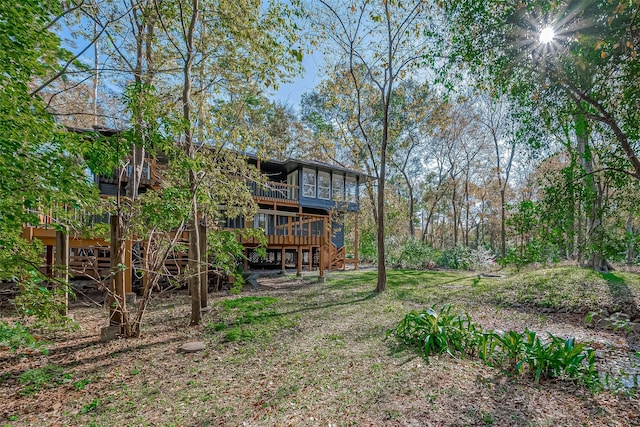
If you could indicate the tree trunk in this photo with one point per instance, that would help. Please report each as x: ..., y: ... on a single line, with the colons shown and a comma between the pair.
x: 204, y: 276
x: 381, y: 285
x: 466, y: 214
x: 594, y: 195
x: 195, y: 259
x: 454, y: 208
x: 116, y: 298
x: 630, y: 239
x: 194, y: 268
x: 62, y: 268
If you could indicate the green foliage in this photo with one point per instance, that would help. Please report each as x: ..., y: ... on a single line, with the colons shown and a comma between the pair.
x: 248, y: 305
x: 416, y: 255
x: 514, y: 352
x: 435, y: 332
x: 35, y: 380
x: 455, y: 258
x: 239, y: 334
x: 81, y: 384
x: 40, y: 162
x: 43, y: 304
x: 238, y: 282
x: 91, y: 406
x: 18, y: 257
x: 413, y: 254
x: 246, y: 318
x: 368, y: 250
x: 17, y: 336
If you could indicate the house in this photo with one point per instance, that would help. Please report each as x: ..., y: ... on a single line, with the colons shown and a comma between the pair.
x: 300, y: 210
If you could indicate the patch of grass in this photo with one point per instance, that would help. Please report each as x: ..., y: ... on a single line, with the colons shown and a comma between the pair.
x: 80, y: 385
x: 17, y: 336
x: 334, y: 366
x: 425, y: 287
x: 249, y: 304
x: 250, y: 310
x: 91, y: 406
x: 565, y: 289
x: 239, y: 334
x: 35, y: 380
x: 250, y: 317
x: 219, y: 326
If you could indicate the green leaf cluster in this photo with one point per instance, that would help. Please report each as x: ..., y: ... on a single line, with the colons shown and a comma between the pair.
x: 44, y: 305
x: 440, y: 332
x: 50, y: 376
x: 17, y: 336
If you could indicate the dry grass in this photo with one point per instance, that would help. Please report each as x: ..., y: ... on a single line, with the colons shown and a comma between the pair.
x: 303, y: 354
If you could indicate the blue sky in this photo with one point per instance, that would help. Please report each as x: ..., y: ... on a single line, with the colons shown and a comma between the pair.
x: 290, y: 93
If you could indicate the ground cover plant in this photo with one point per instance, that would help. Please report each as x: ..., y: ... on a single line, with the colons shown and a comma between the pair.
x: 294, y: 352
x: 514, y: 352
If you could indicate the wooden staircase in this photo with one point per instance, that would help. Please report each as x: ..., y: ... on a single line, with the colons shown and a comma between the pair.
x: 336, y: 257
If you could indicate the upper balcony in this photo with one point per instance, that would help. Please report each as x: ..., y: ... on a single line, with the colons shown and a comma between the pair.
x: 280, y: 192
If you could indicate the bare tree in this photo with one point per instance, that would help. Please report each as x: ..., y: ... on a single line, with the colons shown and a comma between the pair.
x: 494, y: 117
x: 379, y: 42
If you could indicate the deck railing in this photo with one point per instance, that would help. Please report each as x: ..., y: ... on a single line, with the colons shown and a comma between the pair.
x: 278, y: 191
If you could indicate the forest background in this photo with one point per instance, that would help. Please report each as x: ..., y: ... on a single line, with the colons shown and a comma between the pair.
x: 484, y: 141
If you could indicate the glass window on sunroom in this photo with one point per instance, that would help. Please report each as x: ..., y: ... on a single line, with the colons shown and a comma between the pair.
x: 324, y: 185
x: 308, y: 182
x: 351, y: 189
x: 338, y: 186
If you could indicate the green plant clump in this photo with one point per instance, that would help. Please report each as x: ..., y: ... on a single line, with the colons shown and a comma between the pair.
x: 435, y: 333
x: 44, y: 305
x: 35, y: 380
x: 242, y: 314
x: 513, y: 352
x: 18, y: 336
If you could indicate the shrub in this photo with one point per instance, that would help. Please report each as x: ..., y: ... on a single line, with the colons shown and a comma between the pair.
x: 17, y: 336
x: 435, y: 333
x: 512, y: 351
x: 481, y: 259
x: 44, y: 305
x: 368, y: 250
x: 34, y: 380
x: 413, y: 254
x: 455, y: 258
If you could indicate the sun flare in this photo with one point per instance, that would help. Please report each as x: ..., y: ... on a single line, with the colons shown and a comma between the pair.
x: 546, y: 35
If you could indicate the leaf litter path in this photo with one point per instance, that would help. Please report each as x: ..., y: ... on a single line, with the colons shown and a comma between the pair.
x: 318, y: 356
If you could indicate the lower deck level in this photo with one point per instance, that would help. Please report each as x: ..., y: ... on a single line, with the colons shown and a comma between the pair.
x: 90, y: 258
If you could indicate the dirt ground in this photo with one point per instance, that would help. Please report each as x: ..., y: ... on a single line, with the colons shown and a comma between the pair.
x: 316, y: 355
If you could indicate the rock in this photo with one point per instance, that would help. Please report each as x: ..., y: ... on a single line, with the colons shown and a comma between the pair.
x: 620, y: 317
x: 193, y: 347
x: 130, y: 298
x: 109, y: 333
x: 634, y: 327
x: 252, y: 280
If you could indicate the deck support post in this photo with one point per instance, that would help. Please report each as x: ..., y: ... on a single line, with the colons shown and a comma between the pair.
x: 128, y: 274
x: 323, y: 252
x: 282, y: 259
x: 356, y: 242
x: 61, y: 269
x: 49, y: 261
x: 116, y: 299
x: 204, y: 275
x: 299, y: 262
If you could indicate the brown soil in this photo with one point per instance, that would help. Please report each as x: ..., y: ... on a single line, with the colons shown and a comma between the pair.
x: 324, y: 362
